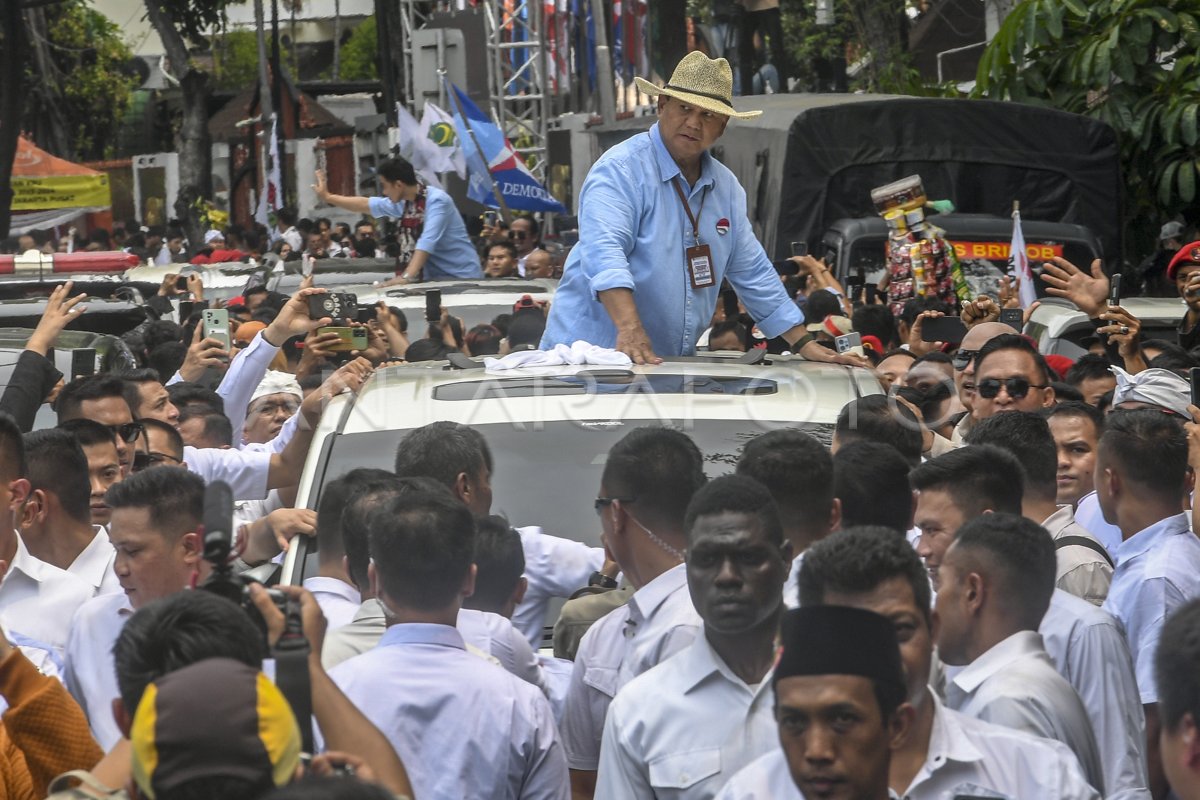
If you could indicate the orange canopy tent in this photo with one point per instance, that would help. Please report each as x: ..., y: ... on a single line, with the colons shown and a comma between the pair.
x: 49, y: 191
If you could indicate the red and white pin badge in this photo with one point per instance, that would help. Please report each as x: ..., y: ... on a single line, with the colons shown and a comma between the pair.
x: 722, y: 226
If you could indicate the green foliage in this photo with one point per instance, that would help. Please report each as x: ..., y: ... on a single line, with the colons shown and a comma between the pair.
x: 360, y: 53
x: 235, y: 59
x: 97, y: 86
x: 807, y: 42
x: 195, y: 18
x: 1130, y: 63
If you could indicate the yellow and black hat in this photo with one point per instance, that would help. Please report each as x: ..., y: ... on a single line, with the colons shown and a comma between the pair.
x: 217, y: 717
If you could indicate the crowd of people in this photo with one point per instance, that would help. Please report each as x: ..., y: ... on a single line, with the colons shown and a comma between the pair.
x: 987, y: 584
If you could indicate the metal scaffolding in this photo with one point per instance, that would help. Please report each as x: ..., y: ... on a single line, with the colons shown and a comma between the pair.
x: 518, y: 96
x: 518, y: 82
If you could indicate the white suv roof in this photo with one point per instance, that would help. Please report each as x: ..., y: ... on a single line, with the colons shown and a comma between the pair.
x: 550, y: 428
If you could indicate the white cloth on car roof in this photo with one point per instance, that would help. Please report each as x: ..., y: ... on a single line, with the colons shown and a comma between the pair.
x: 578, y: 353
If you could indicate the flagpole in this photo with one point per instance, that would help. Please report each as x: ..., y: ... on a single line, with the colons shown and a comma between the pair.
x: 504, y: 212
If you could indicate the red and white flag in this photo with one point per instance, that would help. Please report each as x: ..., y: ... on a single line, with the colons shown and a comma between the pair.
x: 1018, y: 264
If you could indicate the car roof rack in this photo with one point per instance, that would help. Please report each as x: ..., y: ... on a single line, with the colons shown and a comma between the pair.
x: 755, y: 356
x: 459, y: 361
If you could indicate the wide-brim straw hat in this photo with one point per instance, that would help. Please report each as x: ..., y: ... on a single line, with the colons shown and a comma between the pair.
x: 700, y: 81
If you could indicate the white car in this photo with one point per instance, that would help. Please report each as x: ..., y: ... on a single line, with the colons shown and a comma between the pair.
x: 474, y: 302
x: 550, y: 428
x: 1058, y: 326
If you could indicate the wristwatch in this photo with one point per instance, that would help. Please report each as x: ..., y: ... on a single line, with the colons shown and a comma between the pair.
x: 603, y: 581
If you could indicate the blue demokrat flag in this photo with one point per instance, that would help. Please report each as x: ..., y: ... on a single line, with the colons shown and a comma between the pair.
x: 503, y: 165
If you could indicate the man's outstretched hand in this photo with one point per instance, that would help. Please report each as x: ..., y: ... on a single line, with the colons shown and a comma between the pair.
x: 634, y: 343
x: 60, y: 310
x: 1088, y: 291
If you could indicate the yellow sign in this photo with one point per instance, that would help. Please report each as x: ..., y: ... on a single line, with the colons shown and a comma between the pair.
x: 998, y: 251
x: 60, y: 191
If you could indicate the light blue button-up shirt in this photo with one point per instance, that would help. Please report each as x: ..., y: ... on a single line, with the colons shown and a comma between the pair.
x: 1158, y: 570
x: 633, y: 234
x: 462, y: 727
x: 444, y: 236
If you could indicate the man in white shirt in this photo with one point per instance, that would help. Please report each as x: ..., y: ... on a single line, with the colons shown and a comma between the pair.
x: 1085, y: 642
x: 1076, y: 428
x: 649, y: 478
x: 458, y: 457
x: 1084, y: 566
x: 1158, y: 389
x: 686, y: 726
x: 99, y: 444
x: 840, y: 707
x: 274, y: 401
x: 1142, y: 484
x: 948, y: 753
x: 36, y: 599
x: 1177, y: 674
x: 483, y: 633
x: 333, y: 586
x: 464, y: 729
x: 996, y: 582
x: 155, y: 528
x: 56, y: 524
x: 798, y: 472
x: 250, y: 474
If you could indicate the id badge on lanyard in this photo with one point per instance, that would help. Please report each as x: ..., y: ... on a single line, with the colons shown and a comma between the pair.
x: 698, y: 257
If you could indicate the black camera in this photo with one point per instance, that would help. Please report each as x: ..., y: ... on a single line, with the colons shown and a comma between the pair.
x: 218, y: 547
x: 335, y: 305
x: 292, y: 650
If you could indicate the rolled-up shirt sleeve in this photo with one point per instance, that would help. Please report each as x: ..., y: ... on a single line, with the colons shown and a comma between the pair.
x: 756, y: 281
x: 609, y: 210
x: 245, y: 372
x: 245, y: 472
x: 383, y: 207
x: 437, y: 218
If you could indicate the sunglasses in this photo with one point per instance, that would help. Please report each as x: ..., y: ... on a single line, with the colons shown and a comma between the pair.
x: 1017, y: 388
x: 601, y: 502
x: 518, y: 235
x: 963, y: 359
x: 129, y: 432
x: 152, y: 459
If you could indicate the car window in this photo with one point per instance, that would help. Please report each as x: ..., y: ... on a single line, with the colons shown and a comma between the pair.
x: 547, y: 473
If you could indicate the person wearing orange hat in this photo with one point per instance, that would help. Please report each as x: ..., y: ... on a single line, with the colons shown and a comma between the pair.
x: 1184, y: 271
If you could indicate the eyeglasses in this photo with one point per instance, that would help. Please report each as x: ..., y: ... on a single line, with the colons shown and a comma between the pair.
x: 963, y: 359
x: 601, y: 502
x: 142, y: 460
x: 522, y: 235
x: 129, y: 432
x: 1016, y: 387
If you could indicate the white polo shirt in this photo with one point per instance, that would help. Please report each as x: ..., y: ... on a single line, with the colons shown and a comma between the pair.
x: 1088, y: 647
x: 339, y: 601
x: 1016, y: 684
x: 89, y: 672
x: 683, y: 728
x: 554, y: 567
x: 94, y: 566
x: 1158, y: 570
x: 38, y: 600
x: 656, y: 623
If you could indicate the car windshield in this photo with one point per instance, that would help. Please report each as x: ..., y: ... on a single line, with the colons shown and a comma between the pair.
x: 548, y: 473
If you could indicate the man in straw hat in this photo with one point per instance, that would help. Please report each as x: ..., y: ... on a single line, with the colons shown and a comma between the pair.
x: 661, y: 224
